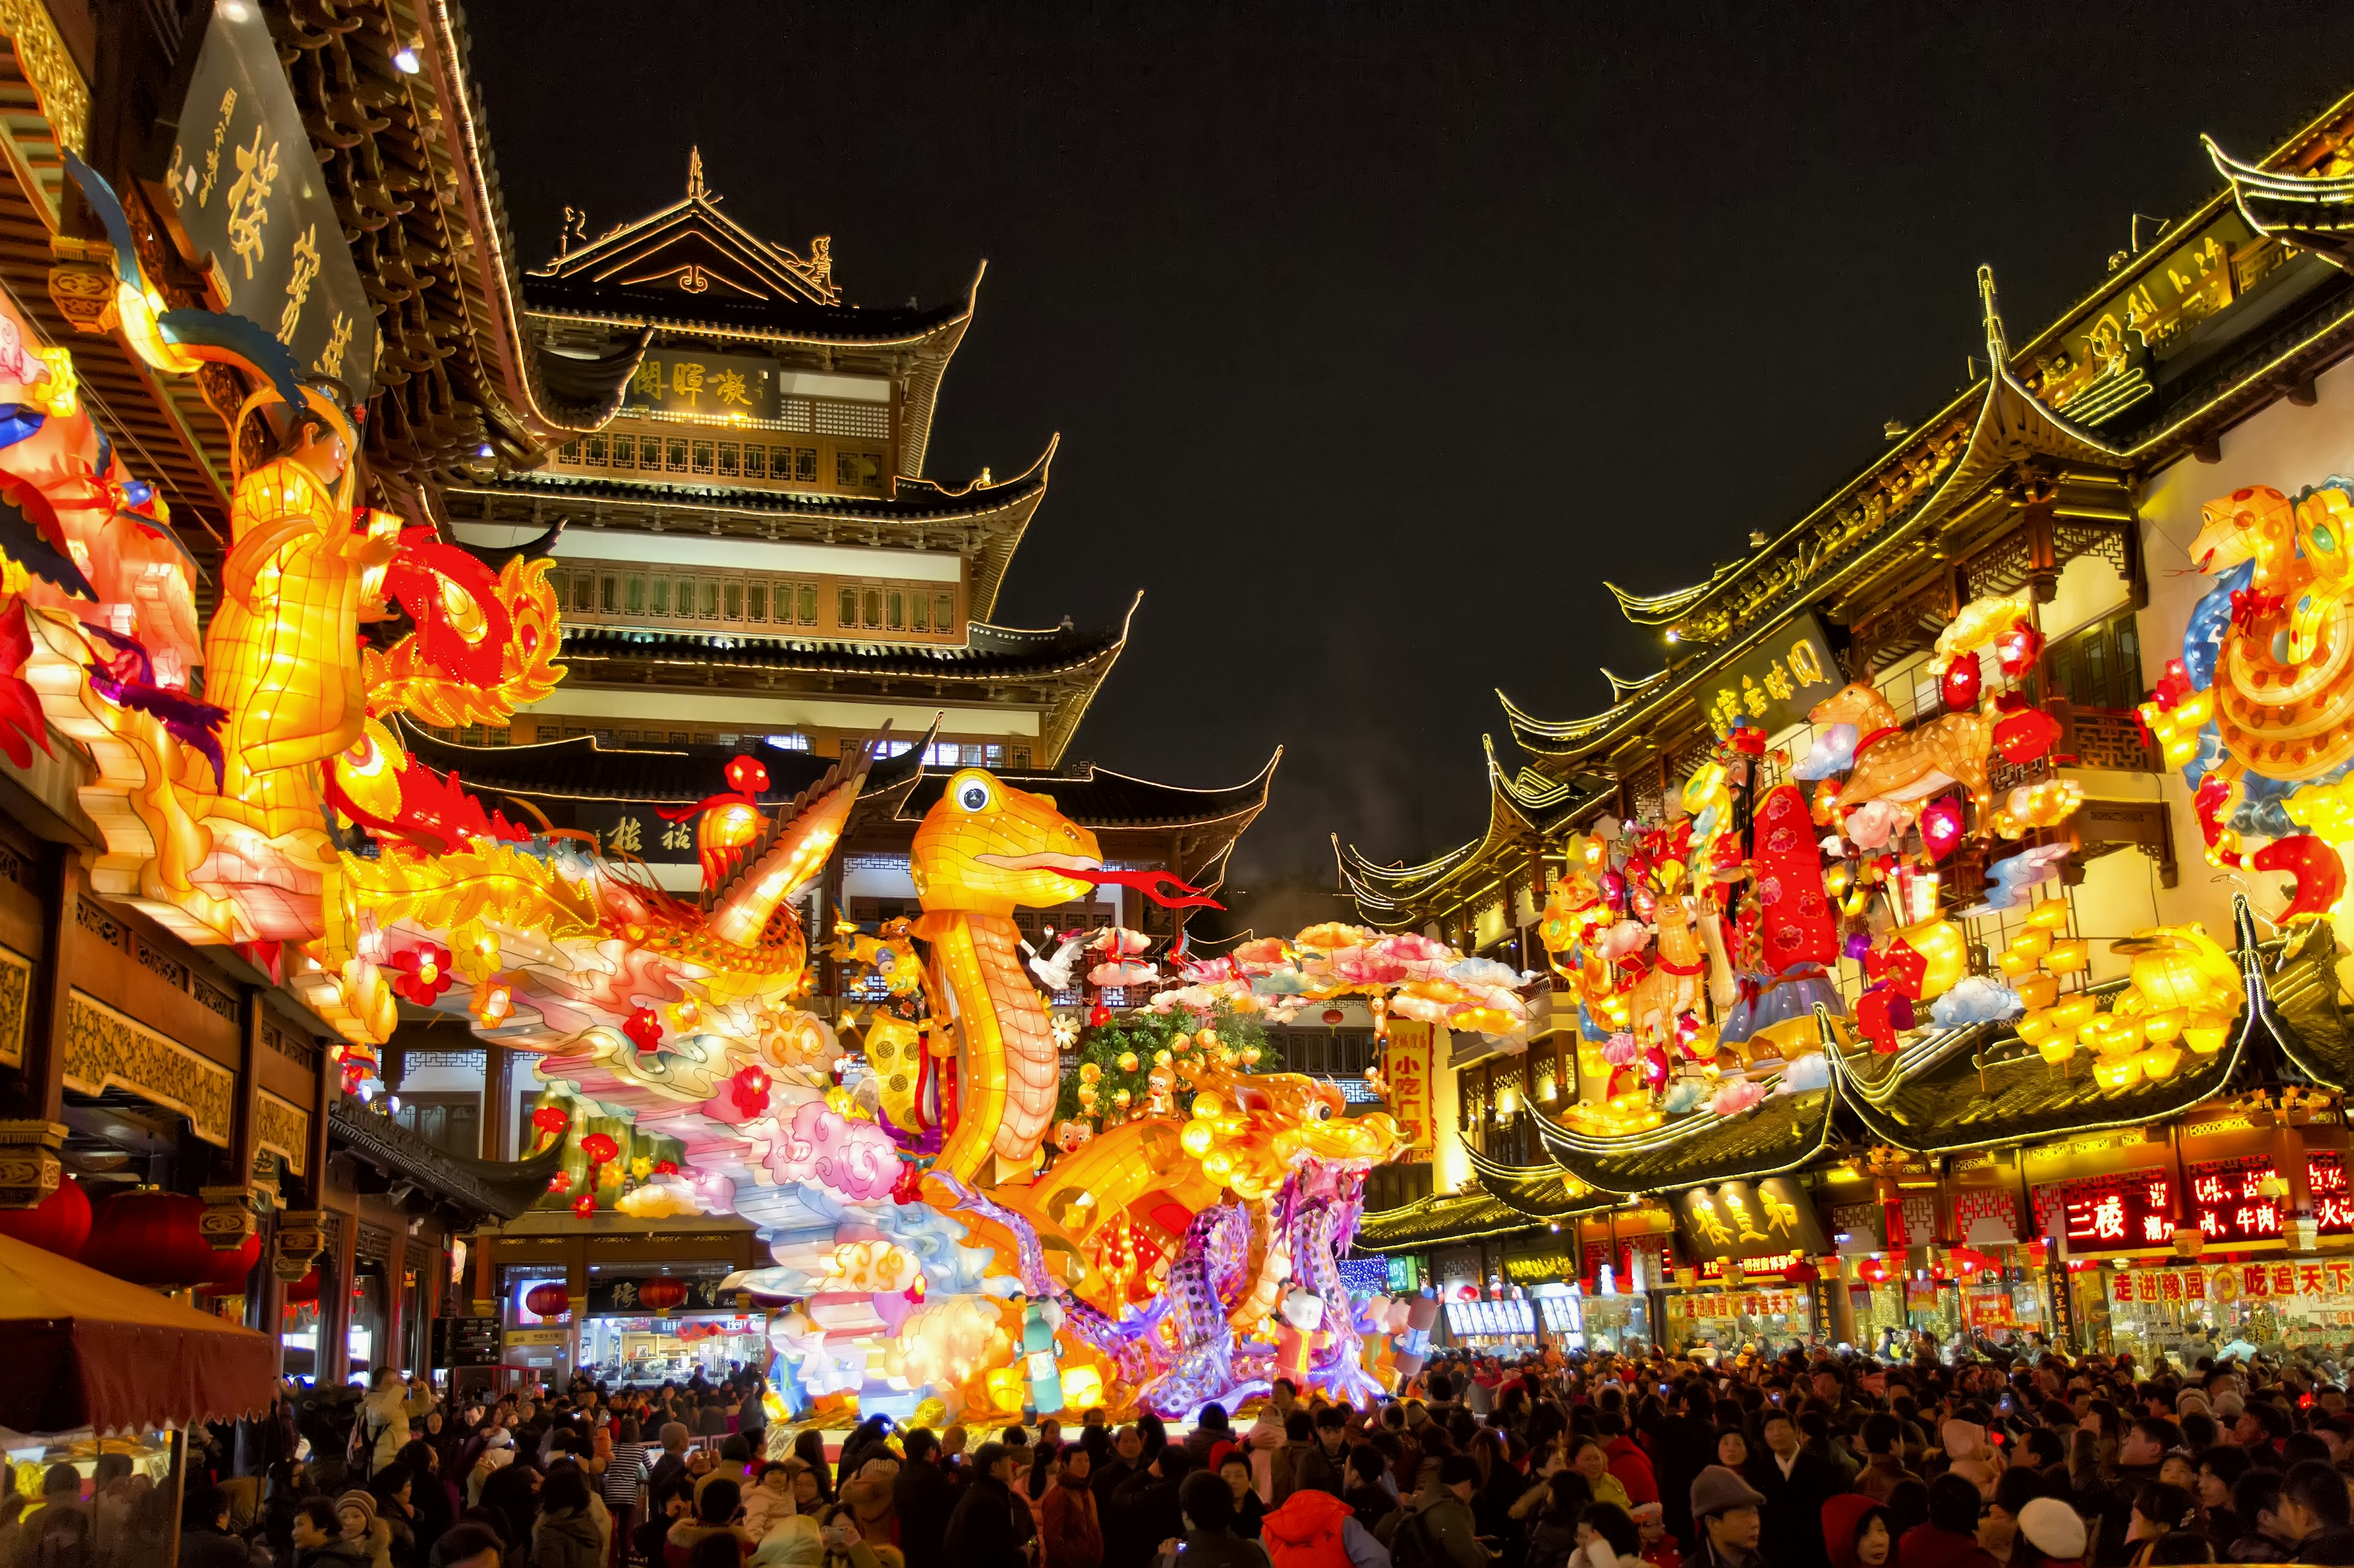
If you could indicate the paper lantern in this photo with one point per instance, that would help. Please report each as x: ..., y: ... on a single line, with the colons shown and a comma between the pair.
x: 1958, y: 686
x: 2017, y: 647
x: 1940, y: 822
x: 2025, y: 734
x: 151, y: 1238
x: 1943, y: 952
x: 231, y: 1267
x: 659, y: 1295
x: 59, y: 1223
x: 301, y: 1291
x: 644, y: 1029
x: 1798, y: 924
x: 1333, y: 1015
x: 549, y: 1301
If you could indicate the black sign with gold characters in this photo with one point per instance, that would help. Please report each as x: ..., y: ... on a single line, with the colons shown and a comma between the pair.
x: 636, y: 829
x: 1772, y: 687
x: 231, y: 171
x: 712, y: 387
x: 1772, y: 1218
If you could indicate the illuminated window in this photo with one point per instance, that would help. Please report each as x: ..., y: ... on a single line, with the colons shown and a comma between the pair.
x: 674, y: 455
x: 710, y: 600
x: 735, y: 601
x: 661, y: 597
x: 897, y: 615
x: 730, y: 459
x: 584, y: 591
x: 846, y: 612
x: 637, y: 595
x: 792, y: 741
x: 921, y: 608
x: 873, y: 605
x: 756, y: 601
x: 756, y: 462
x: 944, y: 611
x: 608, y: 593
x: 701, y: 463
x: 807, y: 599
x: 992, y: 755
x: 625, y: 451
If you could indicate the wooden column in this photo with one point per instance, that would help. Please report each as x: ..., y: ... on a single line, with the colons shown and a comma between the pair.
x: 497, y: 1090
x: 228, y: 1215
x: 34, y: 1133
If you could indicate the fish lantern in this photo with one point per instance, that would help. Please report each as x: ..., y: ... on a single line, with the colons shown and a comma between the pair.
x: 2319, y: 875
x: 2024, y: 734
x: 1958, y: 686
x: 1941, y: 824
x: 644, y: 1029
x: 2018, y: 647
x: 745, y: 774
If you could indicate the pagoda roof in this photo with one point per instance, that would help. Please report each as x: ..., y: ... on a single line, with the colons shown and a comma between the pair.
x: 2312, y: 210
x: 586, y: 768
x: 1539, y: 1192
x: 987, y: 519
x: 478, y: 1188
x: 1096, y: 797
x: 1455, y: 1217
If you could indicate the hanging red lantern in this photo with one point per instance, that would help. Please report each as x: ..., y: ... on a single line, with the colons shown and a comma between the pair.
x: 1941, y: 827
x: 2019, y: 648
x: 231, y: 1267
x: 2025, y: 733
x: 151, y: 1238
x: 1333, y: 1015
x: 550, y: 1121
x: 301, y: 1291
x: 659, y: 1295
x: 549, y: 1301
x: 59, y: 1223
x: 1959, y: 684
x: 599, y: 1147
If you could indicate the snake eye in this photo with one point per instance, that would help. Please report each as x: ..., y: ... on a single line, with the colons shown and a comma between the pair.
x: 972, y: 792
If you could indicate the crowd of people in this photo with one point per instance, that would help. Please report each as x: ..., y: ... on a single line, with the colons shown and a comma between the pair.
x: 1803, y: 1460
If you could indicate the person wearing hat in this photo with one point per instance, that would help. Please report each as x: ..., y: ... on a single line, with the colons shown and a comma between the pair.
x: 362, y: 1531
x: 2050, y: 1535
x: 1659, y: 1548
x: 1727, y: 1518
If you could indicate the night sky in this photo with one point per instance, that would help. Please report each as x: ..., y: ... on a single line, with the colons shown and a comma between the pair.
x: 1379, y: 336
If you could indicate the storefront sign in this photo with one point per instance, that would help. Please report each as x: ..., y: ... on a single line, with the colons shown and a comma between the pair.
x: 2235, y: 1282
x: 1740, y: 1220
x: 2130, y: 1212
x: 465, y: 1341
x: 626, y: 1298
x: 705, y: 386
x: 1406, y: 1065
x: 1736, y: 1303
x: 637, y: 830
x: 527, y: 1339
x: 231, y: 171
x: 1774, y: 684
x: 1491, y: 1320
x: 2229, y: 1203
x: 1537, y: 1270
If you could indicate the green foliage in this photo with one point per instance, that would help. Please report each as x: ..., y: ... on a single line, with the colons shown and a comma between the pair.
x: 1143, y: 1037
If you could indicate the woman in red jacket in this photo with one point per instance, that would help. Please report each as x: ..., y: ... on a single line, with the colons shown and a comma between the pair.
x: 1069, y: 1525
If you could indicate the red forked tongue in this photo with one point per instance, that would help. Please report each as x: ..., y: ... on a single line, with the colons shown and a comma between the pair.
x: 1150, y: 884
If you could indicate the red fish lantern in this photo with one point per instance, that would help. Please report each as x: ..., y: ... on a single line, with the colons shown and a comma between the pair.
x: 1941, y: 827
x: 59, y: 1223
x: 1959, y: 684
x: 659, y: 1295
x: 2319, y: 874
x: 549, y: 1301
x: 2017, y: 647
x: 644, y: 1029
x: 2024, y: 734
x: 747, y: 775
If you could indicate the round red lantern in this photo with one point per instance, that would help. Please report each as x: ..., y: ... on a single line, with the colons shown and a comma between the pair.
x: 1333, y: 1015
x: 1959, y: 684
x: 59, y: 1223
x: 2019, y: 647
x: 231, y: 1267
x: 151, y: 1238
x: 549, y: 1301
x: 660, y: 1296
x: 301, y: 1291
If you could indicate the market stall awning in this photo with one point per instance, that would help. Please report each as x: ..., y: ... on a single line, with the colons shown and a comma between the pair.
x: 87, y: 1350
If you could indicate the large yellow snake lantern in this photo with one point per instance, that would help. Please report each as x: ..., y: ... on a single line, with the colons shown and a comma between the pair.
x: 2259, y: 709
x: 931, y: 1247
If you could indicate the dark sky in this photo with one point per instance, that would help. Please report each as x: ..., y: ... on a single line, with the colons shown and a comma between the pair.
x: 1379, y: 335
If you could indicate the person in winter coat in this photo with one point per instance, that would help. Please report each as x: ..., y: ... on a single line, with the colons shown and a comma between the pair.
x: 1368, y: 1497
x: 1855, y: 1532
x: 394, y: 1487
x: 1435, y: 1529
x: 1325, y: 1466
x: 1210, y: 1540
x: 1553, y: 1535
x: 1070, y: 1525
x: 982, y: 1533
x: 1628, y: 1464
x: 381, y: 1426
x: 1883, y: 1470
x: 319, y: 1539
x: 923, y: 1497
x: 1145, y: 1510
x: 1592, y: 1461
x: 566, y: 1535
x: 1949, y: 1538
x: 1795, y: 1483
x: 1316, y: 1530
x: 1234, y: 1470
x: 715, y: 1506
x: 1606, y: 1539
x: 431, y: 1506
x: 355, y: 1512
x: 205, y: 1538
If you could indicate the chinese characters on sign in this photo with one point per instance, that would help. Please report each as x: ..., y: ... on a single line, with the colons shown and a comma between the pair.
x: 637, y: 830
x: 231, y: 169
x: 1736, y: 1303
x: 2128, y: 1213
x: 1770, y: 1218
x: 1406, y: 1065
x: 1774, y: 684
x: 2233, y: 1281
x: 2229, y: 1201
x: 707, y: 385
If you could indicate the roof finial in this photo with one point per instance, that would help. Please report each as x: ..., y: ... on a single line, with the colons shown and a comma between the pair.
x: 695, y: 173
x: 1998, y: 345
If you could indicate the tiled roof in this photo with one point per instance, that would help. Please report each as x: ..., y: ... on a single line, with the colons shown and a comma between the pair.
x: 989, y: 653
x: 1096, y: 797
x: 797, y: 319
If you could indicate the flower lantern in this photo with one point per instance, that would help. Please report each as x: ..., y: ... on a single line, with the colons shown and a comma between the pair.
x: 548, y: 1300
x: 59, y: 1223
x: 1941, y: 827
x: 550, y: 1121
x: 2017, y: 647
x: 750, y: 1089
x: 585, y: 1205
x: 644, y: 1029
x: 425, y: 973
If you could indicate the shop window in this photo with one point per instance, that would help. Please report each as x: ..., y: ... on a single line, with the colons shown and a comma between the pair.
x: 625, y: 451
x: 700, y: 461
x: 730, y: 459
x: 2099, y: 667
x: 756, y: 601
x: 756, y: 462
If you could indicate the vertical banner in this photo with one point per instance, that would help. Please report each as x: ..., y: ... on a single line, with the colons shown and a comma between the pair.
x: 1408, y: 1066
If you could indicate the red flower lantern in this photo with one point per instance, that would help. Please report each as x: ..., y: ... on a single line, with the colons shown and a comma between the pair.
x: 1098, y: 1016
x: 747, y: 775
x: 665, y: 1167
x: 750, y: 1089
x: 151, y: 1238
x: 1959, y: 684
x: 599, y: 1147
x: 585, y: 1204
x: 59, y: 1223
x: 424, y: 974
x: 1941, y: 826
x: 549, y: 1301
x: 659, y: 1295
x: 644, y: 1029
x: 2019, y: 648
x: 551, y: 1121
